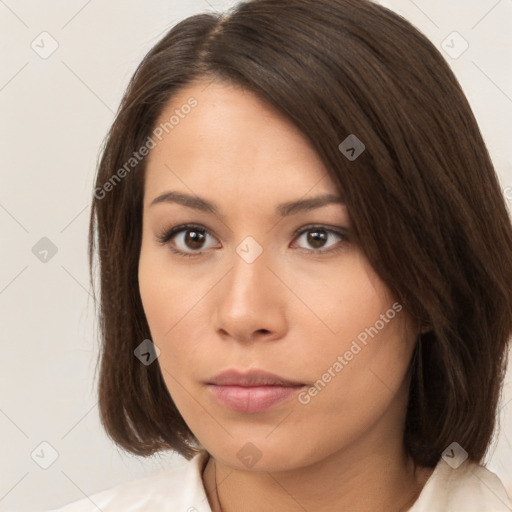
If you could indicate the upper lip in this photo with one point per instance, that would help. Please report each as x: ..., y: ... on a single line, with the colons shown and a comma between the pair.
x: 250, y: 378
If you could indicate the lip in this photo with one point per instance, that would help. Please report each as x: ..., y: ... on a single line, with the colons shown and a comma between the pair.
x: 251, y: 392
x: 251, y: 378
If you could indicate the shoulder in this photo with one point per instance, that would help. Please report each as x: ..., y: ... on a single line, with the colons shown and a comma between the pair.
x: 178, y: 489
x: 470, y: 487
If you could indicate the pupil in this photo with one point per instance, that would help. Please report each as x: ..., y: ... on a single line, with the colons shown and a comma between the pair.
x: 317, y: 238
x: 194, y: 239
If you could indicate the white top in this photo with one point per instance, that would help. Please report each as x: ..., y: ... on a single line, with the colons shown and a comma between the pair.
x: 469, y: 488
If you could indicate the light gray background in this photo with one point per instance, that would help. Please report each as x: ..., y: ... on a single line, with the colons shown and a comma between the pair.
x: 55, y: 112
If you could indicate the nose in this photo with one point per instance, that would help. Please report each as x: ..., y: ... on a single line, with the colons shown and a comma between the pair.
x: 251, y: 302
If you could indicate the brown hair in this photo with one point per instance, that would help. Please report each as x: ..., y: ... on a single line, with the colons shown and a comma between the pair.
x: 423, y: 199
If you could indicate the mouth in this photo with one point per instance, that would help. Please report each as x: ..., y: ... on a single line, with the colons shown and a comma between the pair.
x: 251, y: 378
x: 251, y: 392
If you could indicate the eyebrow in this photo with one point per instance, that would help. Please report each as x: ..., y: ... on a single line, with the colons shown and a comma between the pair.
x: 284, y: 209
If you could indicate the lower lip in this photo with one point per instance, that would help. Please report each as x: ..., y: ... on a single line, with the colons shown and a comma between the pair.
x: 252, y: 399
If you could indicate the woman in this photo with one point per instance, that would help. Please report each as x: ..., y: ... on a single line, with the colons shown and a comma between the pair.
x: 305, y: 269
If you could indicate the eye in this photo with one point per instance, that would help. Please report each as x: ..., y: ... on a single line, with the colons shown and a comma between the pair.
x: 190, y: 240
x: 321, y: 239
x: 186, y: 240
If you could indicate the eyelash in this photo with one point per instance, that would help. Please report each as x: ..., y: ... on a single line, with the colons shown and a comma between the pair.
x: 166, y: 235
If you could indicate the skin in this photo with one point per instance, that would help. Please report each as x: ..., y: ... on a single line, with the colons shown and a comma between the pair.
x: 292, y: 311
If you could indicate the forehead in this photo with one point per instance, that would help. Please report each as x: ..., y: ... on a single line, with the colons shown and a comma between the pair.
x: 231, y: 140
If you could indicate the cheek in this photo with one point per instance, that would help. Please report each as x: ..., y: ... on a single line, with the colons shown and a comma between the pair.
x: 163, y: 305
x: 374, y: 342
x: 165, y: 308
x: 345, y: 305
x: 167, y: 294
x: 155, y: 296
x: 366, y: 348
x: 174, y: 306
x: 355, y: 386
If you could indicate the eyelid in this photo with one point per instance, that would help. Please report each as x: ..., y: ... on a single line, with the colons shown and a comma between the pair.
x: 339, y: 230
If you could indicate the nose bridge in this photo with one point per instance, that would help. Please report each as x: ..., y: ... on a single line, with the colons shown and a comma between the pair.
x: 249, y: 299
x: 248, y: 275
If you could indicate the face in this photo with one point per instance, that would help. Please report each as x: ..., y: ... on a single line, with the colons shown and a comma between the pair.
x: 259, y: 284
